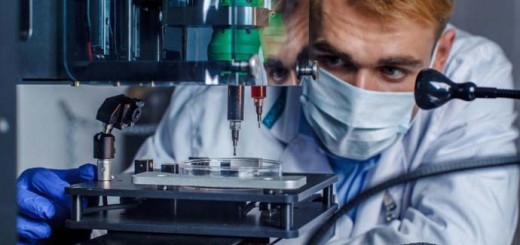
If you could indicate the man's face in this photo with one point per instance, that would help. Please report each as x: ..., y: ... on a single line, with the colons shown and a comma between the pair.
x: 370, y: 53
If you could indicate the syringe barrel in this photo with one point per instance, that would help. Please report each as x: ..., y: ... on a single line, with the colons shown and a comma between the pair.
x: 235, y: 103
x: 258, y: 92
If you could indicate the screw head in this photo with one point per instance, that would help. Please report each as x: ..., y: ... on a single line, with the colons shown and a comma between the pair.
x: 4, y: 125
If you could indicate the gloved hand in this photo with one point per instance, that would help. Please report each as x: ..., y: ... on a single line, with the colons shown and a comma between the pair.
x: 43, y: 204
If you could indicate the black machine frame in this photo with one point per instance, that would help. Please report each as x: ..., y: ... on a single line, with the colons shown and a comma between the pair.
x: 9, y: 76
x: 189, y: 211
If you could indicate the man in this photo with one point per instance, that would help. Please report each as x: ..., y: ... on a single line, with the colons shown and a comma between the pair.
x: 380, y: 46
x: 359, y: 122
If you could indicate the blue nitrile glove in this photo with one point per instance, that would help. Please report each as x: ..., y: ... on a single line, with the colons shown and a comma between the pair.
x: 42, y: 203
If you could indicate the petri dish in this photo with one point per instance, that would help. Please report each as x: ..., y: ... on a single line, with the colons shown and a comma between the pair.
x: 231, y: 167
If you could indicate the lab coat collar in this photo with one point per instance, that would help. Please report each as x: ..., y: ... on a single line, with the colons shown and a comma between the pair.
x: 286, y: 127
x: 396, y: 155
x: 393, y: 162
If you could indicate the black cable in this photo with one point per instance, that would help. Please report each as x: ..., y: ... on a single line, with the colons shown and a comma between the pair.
x: 250, y: 206
x: 275, y: 241
x: 507, y: 93
x: 320, y: 236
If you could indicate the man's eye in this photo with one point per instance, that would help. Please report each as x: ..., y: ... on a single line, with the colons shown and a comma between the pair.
x: 331, y: 61
x: 279, y: 75
x: 393, y: 73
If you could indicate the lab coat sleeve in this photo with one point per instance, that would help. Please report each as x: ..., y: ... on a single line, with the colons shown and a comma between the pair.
x: 476, y: 207
x: 175, y: 124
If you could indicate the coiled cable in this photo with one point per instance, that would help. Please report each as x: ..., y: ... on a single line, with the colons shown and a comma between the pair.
x: 430, y: 170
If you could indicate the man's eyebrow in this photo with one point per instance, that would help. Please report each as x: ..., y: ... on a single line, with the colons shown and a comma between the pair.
x: 400, y: 61
x: 323, y: 46
x: 273, y: 63
x: 304, y: 54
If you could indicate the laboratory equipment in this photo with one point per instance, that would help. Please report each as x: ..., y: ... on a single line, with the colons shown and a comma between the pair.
x: 115, y: 112
x: 235, y: 173
x: 259, y: 93
x: 10, y: 76
x: 308, y: 68
x: 235, y: 112
x: 250, y: 199
x: 247, y: 199
x: 231, y: 167
x: 168, y: 43
x: 433, y: 89
x: 160, y: 43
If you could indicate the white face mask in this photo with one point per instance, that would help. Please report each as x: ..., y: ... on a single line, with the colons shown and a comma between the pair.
x: 355, y: 123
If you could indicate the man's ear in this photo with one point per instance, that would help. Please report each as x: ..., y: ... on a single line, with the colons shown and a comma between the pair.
x: 444, y: 48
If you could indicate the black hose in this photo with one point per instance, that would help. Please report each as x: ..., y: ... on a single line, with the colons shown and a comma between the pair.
x: 320, y: 236
x: 505, y: 93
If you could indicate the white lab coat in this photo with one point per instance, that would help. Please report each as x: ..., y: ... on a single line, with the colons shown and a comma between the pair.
x: 478, y: 207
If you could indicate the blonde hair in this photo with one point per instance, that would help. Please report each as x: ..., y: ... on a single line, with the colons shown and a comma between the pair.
x: 436, y: 12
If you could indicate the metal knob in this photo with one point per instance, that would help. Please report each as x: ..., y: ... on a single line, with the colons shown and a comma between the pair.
x: 307, y: 68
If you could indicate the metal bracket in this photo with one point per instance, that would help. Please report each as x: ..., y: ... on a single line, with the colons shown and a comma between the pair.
x: 26, y: 20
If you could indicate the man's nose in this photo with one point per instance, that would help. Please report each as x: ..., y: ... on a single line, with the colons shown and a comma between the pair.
x: 364, y: 80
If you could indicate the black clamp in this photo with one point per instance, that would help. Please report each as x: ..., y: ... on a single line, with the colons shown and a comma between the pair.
x: 116, y: 112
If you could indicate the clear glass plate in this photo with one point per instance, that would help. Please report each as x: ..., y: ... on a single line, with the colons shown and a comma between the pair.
x: 231, y: 167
